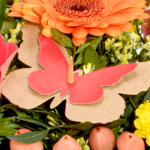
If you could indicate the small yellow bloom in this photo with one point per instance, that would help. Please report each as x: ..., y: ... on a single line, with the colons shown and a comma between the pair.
x: 88, y: 68
x: 16, y: 1
x: 143, y: 122
x: 134, y: 36
x: 132, y: 29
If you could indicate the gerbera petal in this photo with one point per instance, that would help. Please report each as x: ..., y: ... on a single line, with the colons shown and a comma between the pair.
x: 139, y: 4
x: 91, y: 24
x: 52, y: 23
x: 37, y: 2
x: 46, y: 1
x: 47, y: 31
x: 32, y: 19
x: 15, y: 14
x: 120, y: 7
x: 124, y: 27
x: 17, y: 7
x: 133, y: 10
x: 44, y: 19
x: 50, y: 10
x: 113, y: 31
x: 64, y: 19
x: 73, y: 24
x: 80, y: 32
x: 113, y: 2
x: 38, y: 11
x: 103, y: 24
x: 143, y: 16
x: 96, y: 32
x: 63, y: 28
x: 78, y: 42
x: 12, y: 9
x: 130, y: 13
x: 114, y: 19
x: 27, y: 10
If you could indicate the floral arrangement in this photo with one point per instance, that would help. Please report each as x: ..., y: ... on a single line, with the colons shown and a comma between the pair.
x: 107, y: 42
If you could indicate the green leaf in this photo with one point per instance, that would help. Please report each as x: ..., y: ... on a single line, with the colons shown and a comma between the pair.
x: 7, y: 131
x: 44, y: 111
x: 69, y: 51
x: 81, y: 126
x: 147, y: 96
x: 142, y: 56
x: 35, y: 121
x: 79, y: 59
x: 139, y: 95
x: 73, y: 132
x: 61, y: 38
x: 129, y: 115
x: 105, y: 59
x: 83, y: 134
x: 1, y: 115
x: 134, y: 103
x: 29, y: 137
x: 82, y: 47
x: 2, y: 138
x: 116, y: 130
x: 8, y: 23
x: 91, y: 56
x: 96, y: 42
x: 20, y: 112
x: 2, y: 11
x: 8, y: 124
x: 115, y: 123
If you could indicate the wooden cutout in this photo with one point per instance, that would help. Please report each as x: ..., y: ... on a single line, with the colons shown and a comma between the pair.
x: 83, y: 89
x: 109, y: 108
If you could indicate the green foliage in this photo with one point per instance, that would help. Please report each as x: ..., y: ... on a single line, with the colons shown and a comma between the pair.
x: 61, y: 38
x: 91, y: 56
x: 29, y: 137
x: 2, y: 11
x: 8, y: 23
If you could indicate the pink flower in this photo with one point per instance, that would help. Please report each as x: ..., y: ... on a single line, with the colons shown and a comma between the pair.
x: 7, y: 53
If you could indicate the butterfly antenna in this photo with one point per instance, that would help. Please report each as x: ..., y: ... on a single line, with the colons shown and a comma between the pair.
x: 71, y: 71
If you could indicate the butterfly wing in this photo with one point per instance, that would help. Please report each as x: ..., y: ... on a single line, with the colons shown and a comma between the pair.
x: 56, y: 67
x: 88, y: 88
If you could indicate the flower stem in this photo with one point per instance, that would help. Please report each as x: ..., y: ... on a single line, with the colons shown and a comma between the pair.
x: 139, y: 34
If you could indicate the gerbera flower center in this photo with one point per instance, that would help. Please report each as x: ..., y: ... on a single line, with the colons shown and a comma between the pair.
x: 77, y: 7
x: 81, y: 10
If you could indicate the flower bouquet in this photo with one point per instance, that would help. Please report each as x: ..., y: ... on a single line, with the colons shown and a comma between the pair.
x: 74, y: 74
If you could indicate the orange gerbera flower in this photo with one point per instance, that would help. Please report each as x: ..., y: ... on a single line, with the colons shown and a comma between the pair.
x: 81, y: 17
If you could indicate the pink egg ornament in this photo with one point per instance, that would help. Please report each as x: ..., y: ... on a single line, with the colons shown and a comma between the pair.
x: 67, y: 143
x: 130, y: 141
x: 14, y: 145
x: 102, y: 138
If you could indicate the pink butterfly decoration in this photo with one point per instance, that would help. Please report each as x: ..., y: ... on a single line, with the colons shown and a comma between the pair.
x: 85, y: 89
x: 7, y: 53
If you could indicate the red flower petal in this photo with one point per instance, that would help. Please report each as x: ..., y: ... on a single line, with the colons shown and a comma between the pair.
x: 7, y: 53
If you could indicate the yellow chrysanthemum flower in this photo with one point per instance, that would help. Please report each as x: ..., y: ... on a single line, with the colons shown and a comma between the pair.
x: 143, y: 122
